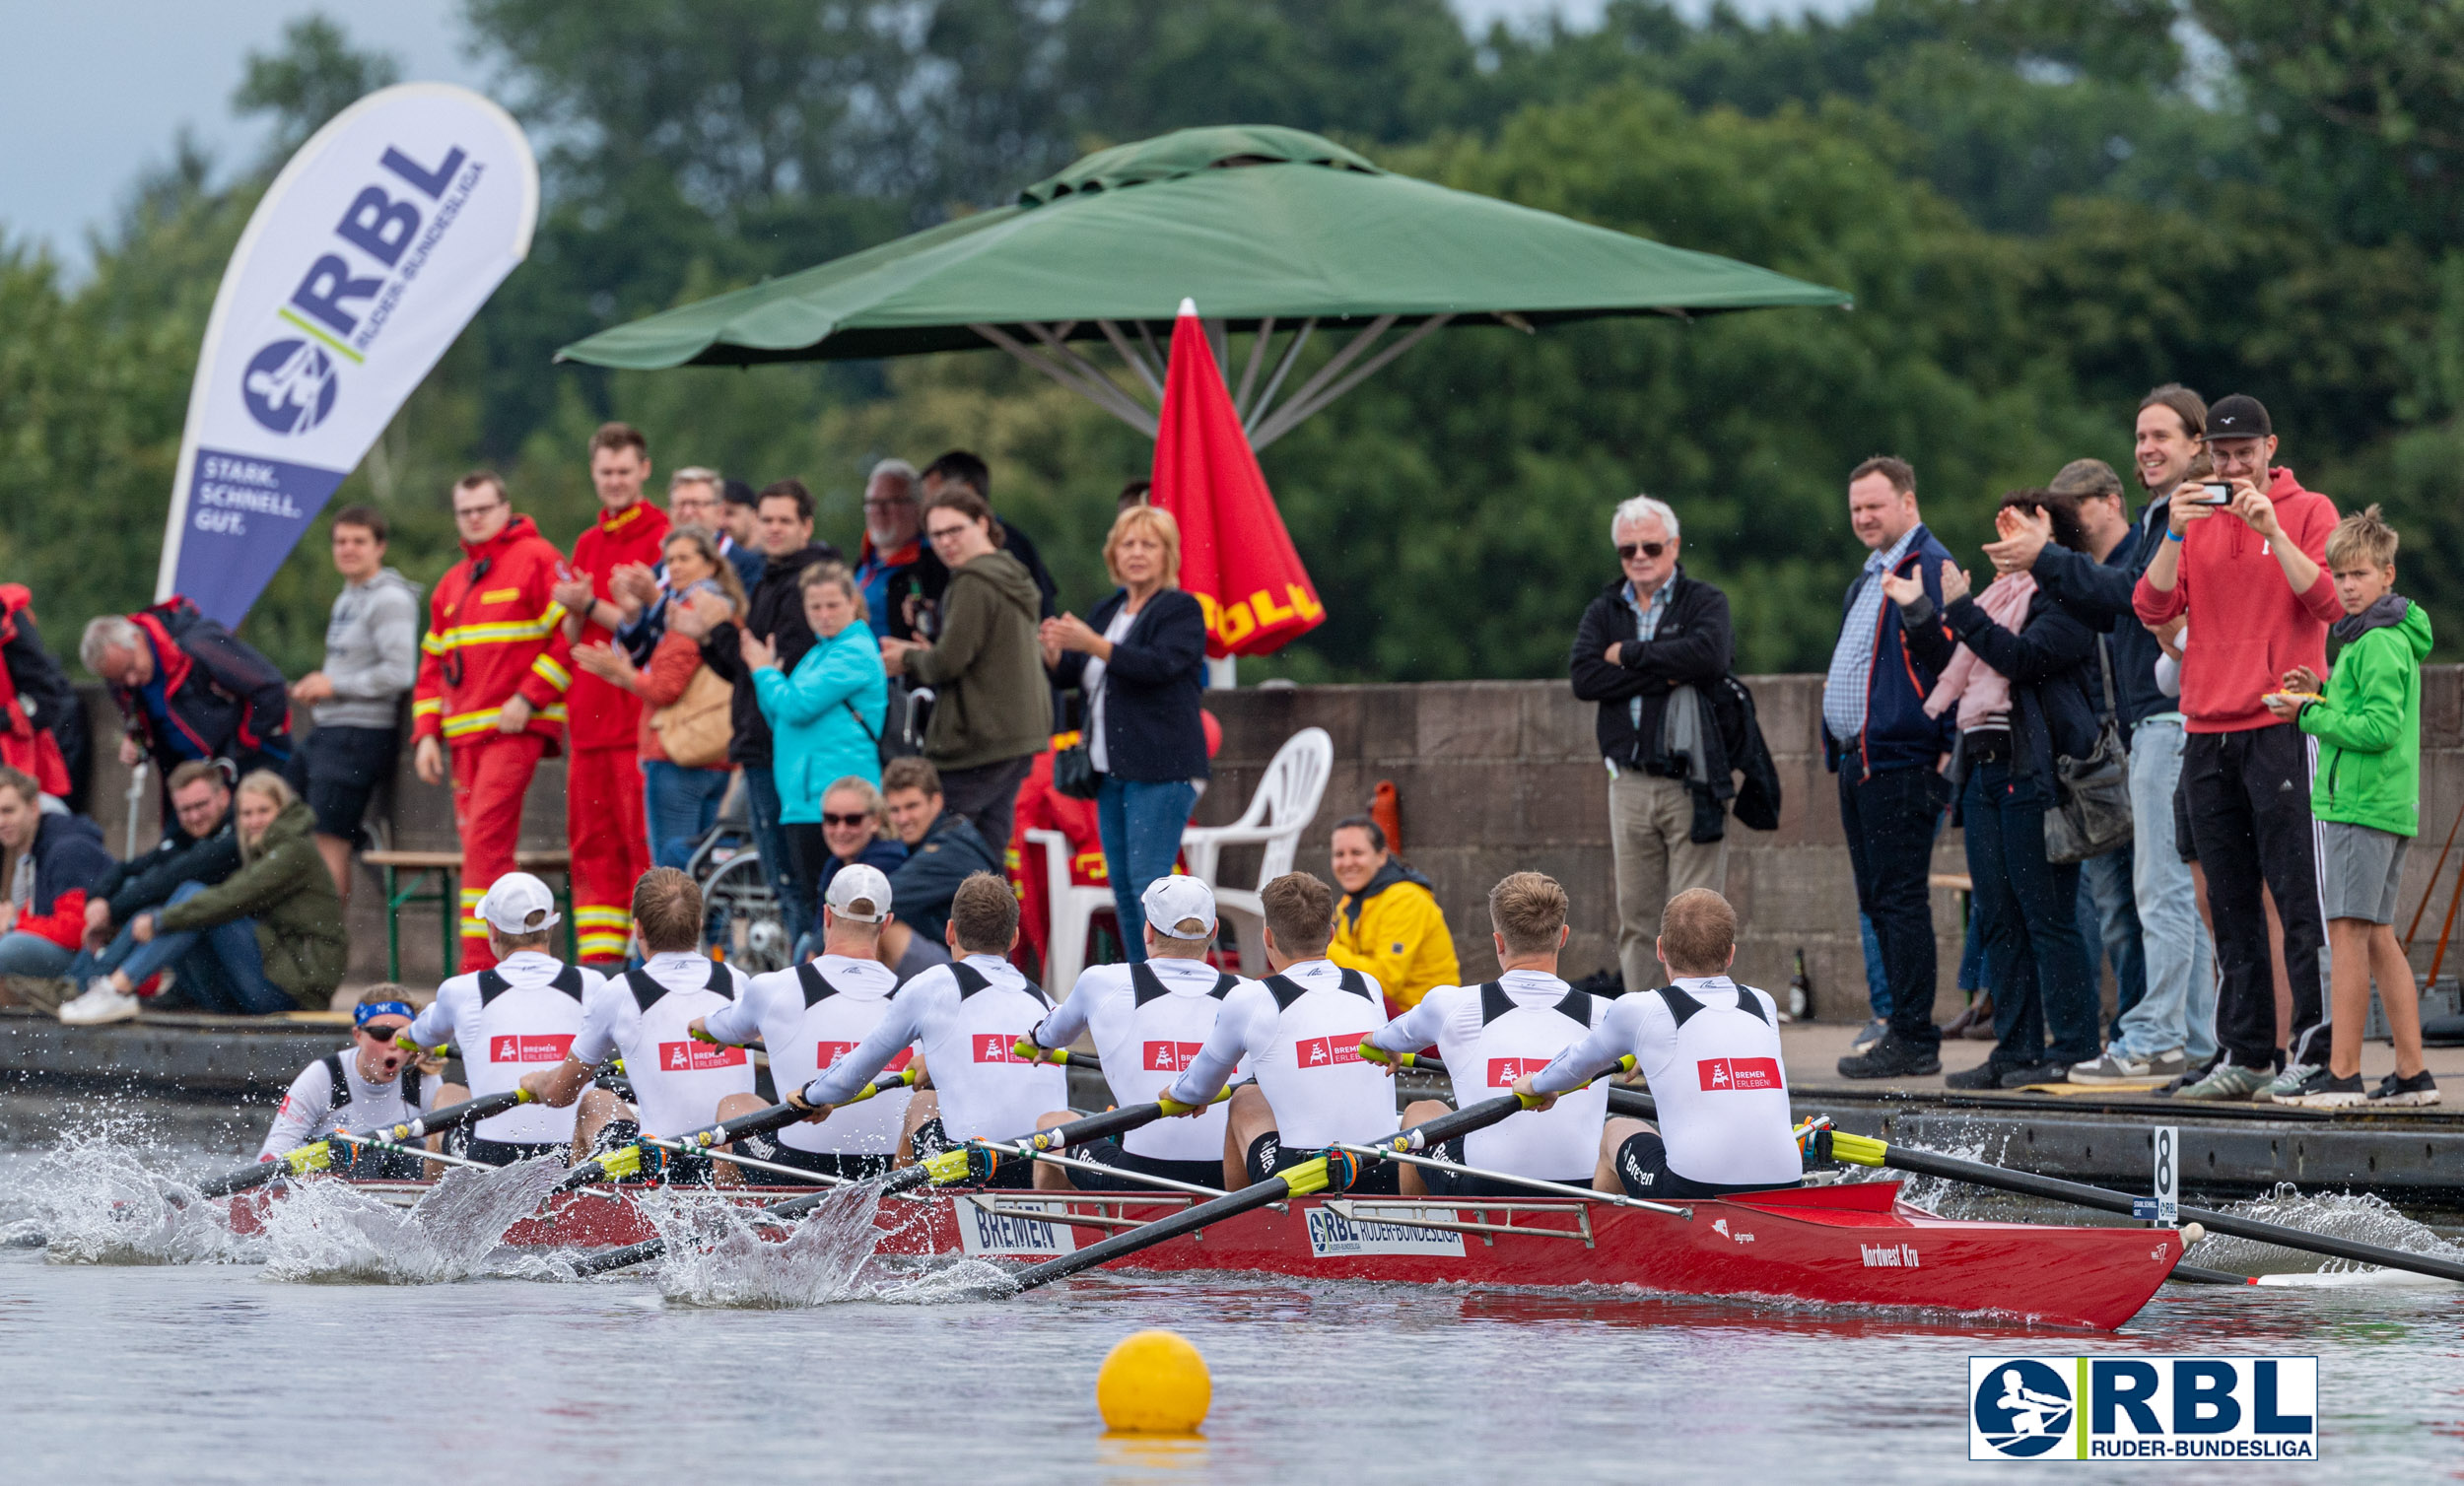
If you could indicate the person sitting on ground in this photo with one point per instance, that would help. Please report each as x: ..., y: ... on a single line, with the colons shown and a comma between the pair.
x: 374, y: 1082
x: 944, y: 850
x: 2366, y: 794
x: 1388, y: 925
x: 854, y: 830
x: 1148, y: 1018
x: 52, y: 862
x: 679, y: 1085
x: 268, y: 938
x: 1299, y: 1029
x: 1710, y: 1049
x: 1492, y: 1034
x: 965, y: 1017
x: 812, y: 1014
x: 522, y: 1011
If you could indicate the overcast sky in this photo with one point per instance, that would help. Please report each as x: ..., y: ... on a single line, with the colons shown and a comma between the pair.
x: 92, y: 92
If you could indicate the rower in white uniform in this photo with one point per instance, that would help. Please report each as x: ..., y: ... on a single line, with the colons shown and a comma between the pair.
x: 369, y: 1083
x: 680, y: 1084
x: 967, y: 1017
x: 1491, y: 1035
x: 1711, y: 1050
x: 511, y: 1019
x: 1299, y: 1029
x: 1148, y: 1022
x: 810, y: 1016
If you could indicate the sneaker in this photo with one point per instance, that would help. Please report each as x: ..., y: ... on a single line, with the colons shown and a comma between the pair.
x: 2404, y: 1093
x: 1985, y: 1075
x: 2325, y: 1091
x: 2286, y: 1084
x: 2035, y: 1073
x: 102, y: 1002
x: 1892, y: 1058
x: 2117, y: 1066
x: 1868, y: 1035
x: 2227, y: 1081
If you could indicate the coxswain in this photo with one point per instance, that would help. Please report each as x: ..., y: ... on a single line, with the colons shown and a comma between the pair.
x: 1491, y: 1035
x: 522, y: 1011
x: 810, y: 1016
x: 680, y: 1083
x: 367, y: 1085
x: 1711, y: 1050
x: 967, y: 1018
x: 1148, y: 1022
x: 1300, y: 1030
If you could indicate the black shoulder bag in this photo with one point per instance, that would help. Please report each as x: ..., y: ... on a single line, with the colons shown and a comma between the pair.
x: 2092, y: 795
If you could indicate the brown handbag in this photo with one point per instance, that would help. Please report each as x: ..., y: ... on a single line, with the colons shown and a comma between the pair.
x: 696, y: 727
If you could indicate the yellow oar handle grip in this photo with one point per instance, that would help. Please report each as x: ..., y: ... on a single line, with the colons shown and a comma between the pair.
x: 1858, y: 1150
x: 903, y: 1078
x: 1033, y: 1052
x: 316, y: 1157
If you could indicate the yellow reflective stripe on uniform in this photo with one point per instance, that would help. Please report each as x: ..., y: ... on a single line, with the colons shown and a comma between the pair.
x: 432, y: 645
x: 554, y: 713
x: 497, y: 633
x: 600, y: 931
x: 463, y: 724
x: 473, y: 926
x: 555, y: 675
x: 432, y: 706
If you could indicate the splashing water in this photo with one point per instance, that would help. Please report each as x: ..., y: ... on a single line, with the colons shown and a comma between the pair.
x: 330, y: 1232
x: 2361, y: 1216
x: 91, y: 1200
x: 950, y: 1284
x: 718, y: 1255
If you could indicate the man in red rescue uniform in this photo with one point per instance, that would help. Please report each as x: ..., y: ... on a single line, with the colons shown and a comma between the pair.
x: 492, y: 677
x: 611, y: 845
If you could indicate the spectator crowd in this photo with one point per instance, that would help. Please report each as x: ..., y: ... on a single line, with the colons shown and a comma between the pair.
x: 2135, y: 722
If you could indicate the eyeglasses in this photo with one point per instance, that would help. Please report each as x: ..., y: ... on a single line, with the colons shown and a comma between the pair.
x: 829, y: 819
x: 474, y: 512
x: 1626, y: 549
x: 945, y: 533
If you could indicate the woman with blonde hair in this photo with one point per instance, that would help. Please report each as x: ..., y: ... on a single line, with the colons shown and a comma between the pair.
x: 1140, y: 661
x: 267, y: 938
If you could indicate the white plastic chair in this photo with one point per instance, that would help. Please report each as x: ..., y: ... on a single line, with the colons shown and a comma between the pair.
x: 1069, y: 910
x: 1286, y: 803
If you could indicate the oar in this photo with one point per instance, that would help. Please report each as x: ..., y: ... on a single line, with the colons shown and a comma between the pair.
x: 1034, y: 1052
x: 421, y: 1151
x: 318, y: 1155
x: 1862, y: 1150
x: 976, y: 1159
x: 760, y: 1123
x: 1632, y: 1102
x: 1311, y: 1175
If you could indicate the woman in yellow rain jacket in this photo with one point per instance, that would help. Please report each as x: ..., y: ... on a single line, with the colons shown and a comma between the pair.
x: 1389, y: 924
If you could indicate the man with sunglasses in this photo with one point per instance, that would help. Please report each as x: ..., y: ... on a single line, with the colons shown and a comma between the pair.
x: 372, y: 1082
x: 1649, y: 651
x: 493, y: 671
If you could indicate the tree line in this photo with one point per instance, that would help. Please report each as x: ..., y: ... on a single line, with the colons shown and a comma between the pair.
x: 2043, y: 207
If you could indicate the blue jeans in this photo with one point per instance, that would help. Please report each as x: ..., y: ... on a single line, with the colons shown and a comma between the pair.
x: 219, y: 968
x: 2029, y: 910
x: 680, y: 805
x: 795, y: 897
x: 1876, y: 981
x: 1141, y: 823
x: 1890, y: 819
x: 2109, y: 922
x: 2180, y: 1007
x: 22, y: 953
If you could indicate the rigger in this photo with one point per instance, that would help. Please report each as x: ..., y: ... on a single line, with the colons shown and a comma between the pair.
x: 492, y: 677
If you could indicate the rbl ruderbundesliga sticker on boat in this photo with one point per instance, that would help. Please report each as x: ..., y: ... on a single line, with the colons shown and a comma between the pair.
x: 2142, y: 1408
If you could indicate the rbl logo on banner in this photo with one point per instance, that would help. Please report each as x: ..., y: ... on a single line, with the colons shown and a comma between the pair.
x: 1328, y: 1052
x: 526, y: 1048
x: 290, y: 386
x: 994, y: 1046
x: 1503, y: 1071
x: 2142, y: 1408
x: 693, y: 1058
x: 831, y: 1052
x: 1731, y: 1073
x: 1171, y: 1057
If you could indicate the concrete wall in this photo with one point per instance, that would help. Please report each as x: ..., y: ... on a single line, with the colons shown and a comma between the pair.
x: 1493, y: 777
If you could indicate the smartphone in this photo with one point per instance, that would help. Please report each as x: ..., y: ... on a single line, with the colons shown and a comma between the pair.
x: 2212, y: 492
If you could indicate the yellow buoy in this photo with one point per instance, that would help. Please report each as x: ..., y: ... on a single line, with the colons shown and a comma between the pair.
x: 1154, y: 1382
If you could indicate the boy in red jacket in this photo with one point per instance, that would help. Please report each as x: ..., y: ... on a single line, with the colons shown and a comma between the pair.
x: 2249, y: 573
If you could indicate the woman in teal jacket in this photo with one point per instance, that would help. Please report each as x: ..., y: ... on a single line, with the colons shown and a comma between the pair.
x: 826, y: 718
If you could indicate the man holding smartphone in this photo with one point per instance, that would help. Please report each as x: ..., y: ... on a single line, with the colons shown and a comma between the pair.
x: 2244, y: 565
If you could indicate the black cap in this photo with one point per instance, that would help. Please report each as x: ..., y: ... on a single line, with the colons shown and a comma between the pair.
x: 2240, y: 416
x: 738, y: 493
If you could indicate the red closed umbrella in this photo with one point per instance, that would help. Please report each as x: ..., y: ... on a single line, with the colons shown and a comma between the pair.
x: 1235, y: 555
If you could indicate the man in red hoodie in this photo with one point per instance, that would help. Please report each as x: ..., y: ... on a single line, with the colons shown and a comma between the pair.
x: 2250, y: 575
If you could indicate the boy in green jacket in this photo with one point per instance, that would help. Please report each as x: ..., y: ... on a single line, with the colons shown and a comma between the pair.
x: 2367, y: 798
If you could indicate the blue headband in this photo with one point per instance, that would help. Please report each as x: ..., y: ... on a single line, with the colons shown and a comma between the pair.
x: 368, y: 1011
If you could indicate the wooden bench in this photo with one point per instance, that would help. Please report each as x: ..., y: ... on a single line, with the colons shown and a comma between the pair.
x: 435, y: 877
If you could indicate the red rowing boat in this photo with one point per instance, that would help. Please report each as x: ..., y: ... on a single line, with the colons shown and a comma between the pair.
x: 1851, y: 1245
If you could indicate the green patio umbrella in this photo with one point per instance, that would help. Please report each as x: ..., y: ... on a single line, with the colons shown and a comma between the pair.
x: 1265, y: 226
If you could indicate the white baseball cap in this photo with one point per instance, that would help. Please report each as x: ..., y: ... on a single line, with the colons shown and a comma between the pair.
x: 857, y: 883
x: 510, y: 901
x: 1170, y: 902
